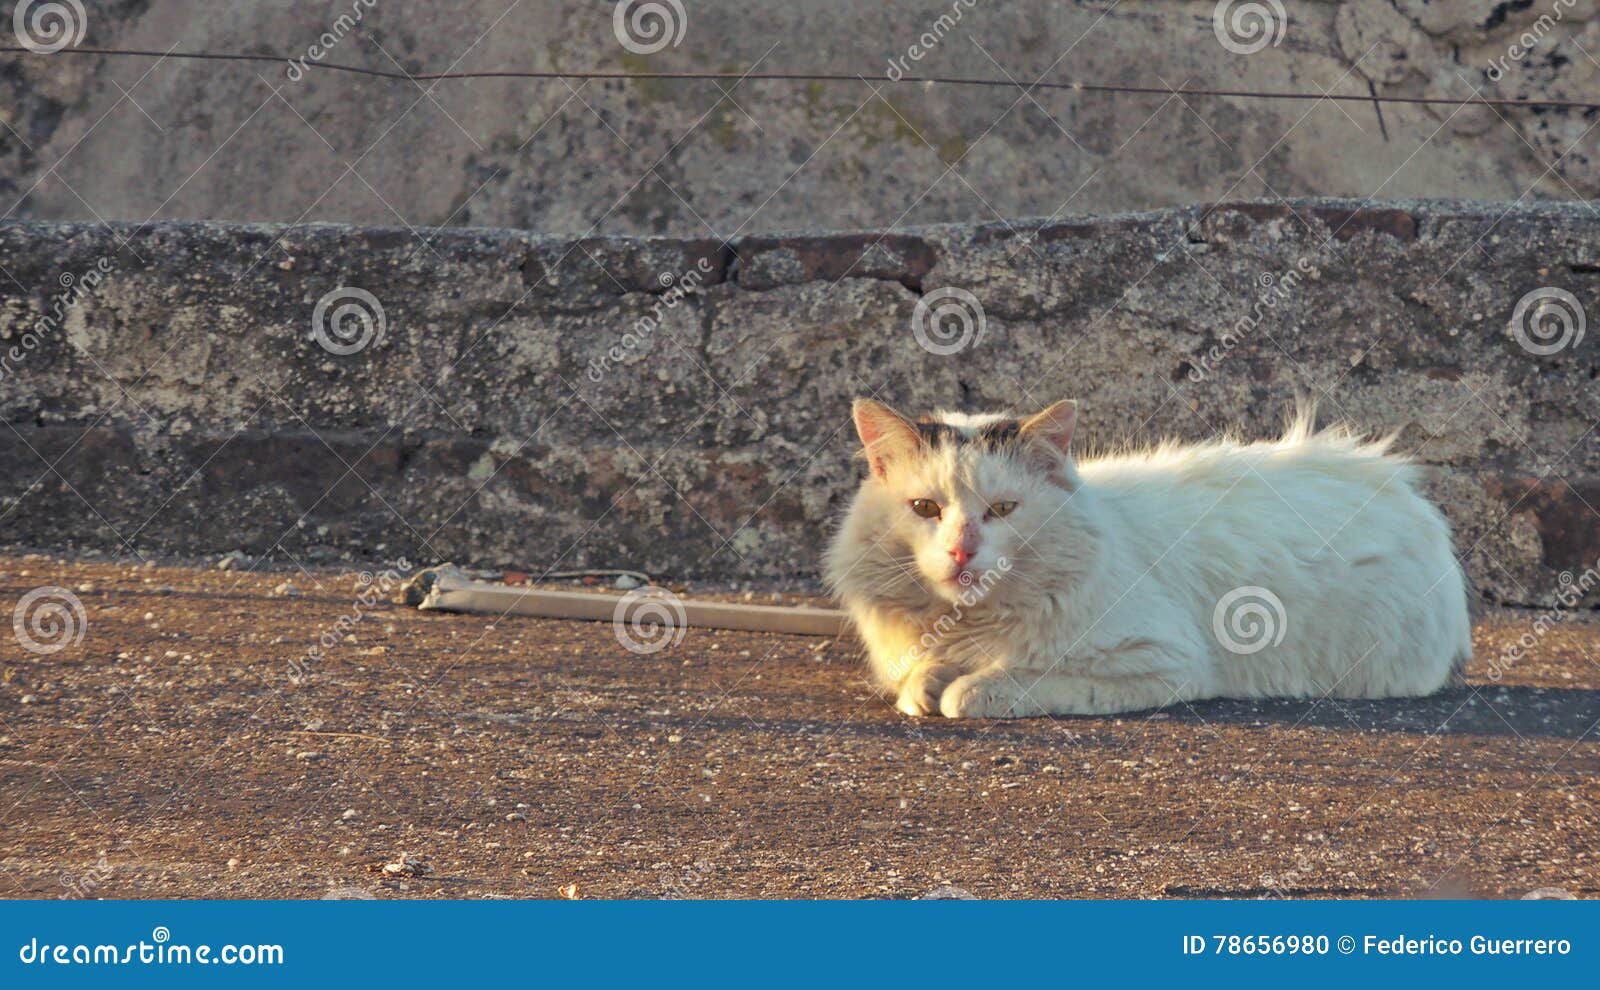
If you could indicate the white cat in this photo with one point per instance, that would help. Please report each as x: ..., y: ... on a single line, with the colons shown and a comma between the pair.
x: 991, y: 576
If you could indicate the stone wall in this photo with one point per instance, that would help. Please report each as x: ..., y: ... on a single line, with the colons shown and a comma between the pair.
x: 682, y: 407
x: 89, y: 138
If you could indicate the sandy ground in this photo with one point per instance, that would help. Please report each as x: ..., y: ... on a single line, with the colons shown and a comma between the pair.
x: 187, y: 748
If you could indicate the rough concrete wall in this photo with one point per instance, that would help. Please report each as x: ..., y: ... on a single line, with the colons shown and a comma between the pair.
x: 516, y: 411
x: 247, y: 142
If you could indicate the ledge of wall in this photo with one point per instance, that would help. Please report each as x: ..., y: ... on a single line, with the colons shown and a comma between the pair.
x: 516, y: 409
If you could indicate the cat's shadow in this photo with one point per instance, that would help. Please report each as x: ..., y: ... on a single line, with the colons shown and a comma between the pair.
x: 1481, y: 710
x: 1478, y: 710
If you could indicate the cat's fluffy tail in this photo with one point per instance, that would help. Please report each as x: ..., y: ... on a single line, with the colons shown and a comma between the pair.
x: 1345, y: 447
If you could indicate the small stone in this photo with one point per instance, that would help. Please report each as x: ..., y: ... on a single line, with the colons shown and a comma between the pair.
x: 407, y: 865
x: 308, y: 754
x: 626, y: 582
x: 286, y: 590
x: 231, y: 560
x: 233, y: 864
x: 29, y: 699
x: 516, y: 816
x: 348, y: 814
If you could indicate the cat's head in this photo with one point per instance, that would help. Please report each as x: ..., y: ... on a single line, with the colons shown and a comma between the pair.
x: 971, y: 502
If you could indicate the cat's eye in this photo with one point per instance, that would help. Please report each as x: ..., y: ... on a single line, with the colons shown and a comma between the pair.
x: 999, y: 510
x: 927, y: 508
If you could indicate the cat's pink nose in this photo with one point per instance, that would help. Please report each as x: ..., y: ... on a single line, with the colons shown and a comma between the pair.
x: 960, y: 555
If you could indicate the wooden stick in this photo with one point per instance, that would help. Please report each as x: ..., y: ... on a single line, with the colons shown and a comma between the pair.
x: 447, y: 589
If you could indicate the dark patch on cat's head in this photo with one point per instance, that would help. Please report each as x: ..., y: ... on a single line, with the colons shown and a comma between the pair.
x: 999, y: 435
x: 996, y: 437
x: 934, y: 433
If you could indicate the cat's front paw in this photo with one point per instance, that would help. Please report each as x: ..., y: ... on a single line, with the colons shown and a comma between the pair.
x: 920, y: 693
x: 987, y: 694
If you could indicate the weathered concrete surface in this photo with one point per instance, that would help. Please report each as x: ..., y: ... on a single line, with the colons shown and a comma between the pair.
x: 183, y: 404
x: 188, y: 746
x: 247, y: 142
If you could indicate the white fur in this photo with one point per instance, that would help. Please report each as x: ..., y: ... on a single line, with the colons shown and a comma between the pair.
x: 1100, y: 591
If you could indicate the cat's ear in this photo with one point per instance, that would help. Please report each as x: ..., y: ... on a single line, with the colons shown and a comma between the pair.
x: 886, y: 435
x: 1054, y: 425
